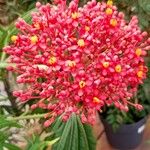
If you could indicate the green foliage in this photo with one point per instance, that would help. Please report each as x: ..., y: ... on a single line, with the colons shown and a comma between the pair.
x: 70, y: 135
x: 73, y: 135
x: 4, y: 135
x: 141, y: 8
x: 37, y: 144
x: 7, y: 123
x: 12, y: 9
x: 116, y: 117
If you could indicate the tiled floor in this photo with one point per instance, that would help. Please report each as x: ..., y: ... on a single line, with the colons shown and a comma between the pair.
x: 102, y: 143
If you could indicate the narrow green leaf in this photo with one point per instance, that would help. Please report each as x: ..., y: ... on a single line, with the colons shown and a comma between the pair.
x: 10, y: 146
x: 83, y: 142
x: 68, y: 144
x: 75, y: 138
x: 57, y: 124
x: 52, y: 142
x: 65, y: 135
x: 90, y: 137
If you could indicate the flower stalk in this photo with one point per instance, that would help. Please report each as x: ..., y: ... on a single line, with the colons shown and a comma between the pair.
x: 34, y: 116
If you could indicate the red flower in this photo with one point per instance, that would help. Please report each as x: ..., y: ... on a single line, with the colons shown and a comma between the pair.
x: 76, y: 60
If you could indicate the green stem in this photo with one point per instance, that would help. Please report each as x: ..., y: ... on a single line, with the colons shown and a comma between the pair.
x: 28, y: 117
x: 3, y: 56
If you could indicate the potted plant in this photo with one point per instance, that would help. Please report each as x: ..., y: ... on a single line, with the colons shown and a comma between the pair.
x: 73, y: 61
x: 124, y: 130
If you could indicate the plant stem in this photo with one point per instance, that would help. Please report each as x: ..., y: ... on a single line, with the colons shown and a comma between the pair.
x: 11, y: 98
x: 28, y: 117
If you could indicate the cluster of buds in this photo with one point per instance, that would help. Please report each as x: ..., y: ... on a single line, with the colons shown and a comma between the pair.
x: 78, y: 59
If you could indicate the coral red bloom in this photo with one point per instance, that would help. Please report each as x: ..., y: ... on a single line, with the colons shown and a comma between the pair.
x: 77, y: 59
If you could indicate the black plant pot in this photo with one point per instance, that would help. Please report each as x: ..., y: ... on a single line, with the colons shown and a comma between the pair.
x: 127, y: 136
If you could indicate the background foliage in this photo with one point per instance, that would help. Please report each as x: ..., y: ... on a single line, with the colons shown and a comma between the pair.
x: 141, y: 8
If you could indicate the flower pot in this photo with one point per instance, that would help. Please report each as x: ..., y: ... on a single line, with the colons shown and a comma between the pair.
x: 127, y: 136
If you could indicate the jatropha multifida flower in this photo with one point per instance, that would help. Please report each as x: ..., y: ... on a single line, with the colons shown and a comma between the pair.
x: 78, y: 59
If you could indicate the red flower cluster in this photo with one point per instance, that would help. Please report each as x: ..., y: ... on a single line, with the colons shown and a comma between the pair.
x: 77, y: 59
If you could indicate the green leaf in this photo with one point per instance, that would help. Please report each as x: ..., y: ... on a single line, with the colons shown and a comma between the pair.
x: 52, y: 142
x: 74, y: 135
x: 83, y: 142
x: 65, y: 135
x: 7, y: 123
x: 10, y: 146
x: 57, y: 124
x: 36, y: 144
x: 90, y: 138
x: 3, y: 138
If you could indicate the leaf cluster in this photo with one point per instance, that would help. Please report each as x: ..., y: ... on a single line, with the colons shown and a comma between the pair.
x: 74, y: 135
x: 4, y: 134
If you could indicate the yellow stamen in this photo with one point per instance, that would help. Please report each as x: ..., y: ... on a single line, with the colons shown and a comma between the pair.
x: 140, y: 74
x: 75, y: 15
x: 113, y: 22
x: 87, y: 28
x: 109, y: 2
x: 109, y: 11
x: 138, y: 51
x: 118, y: 68
x: 34, y: 39
x: 14, y: 38
x: 82, y: 84
x: 71, y: 63
x: 52, y: 60
x: 96, y: 100
x: 81, y: 43
x: 105, y: 64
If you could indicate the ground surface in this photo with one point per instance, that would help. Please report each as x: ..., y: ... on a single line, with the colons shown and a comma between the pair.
x: 102, y: 143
